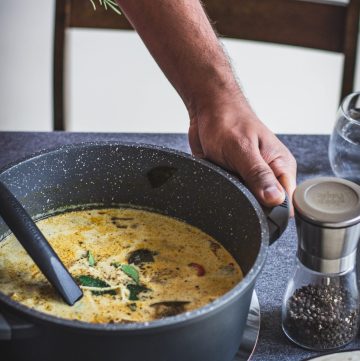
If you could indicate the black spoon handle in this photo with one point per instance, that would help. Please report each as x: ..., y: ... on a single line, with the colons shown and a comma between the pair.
x: 39, y: 249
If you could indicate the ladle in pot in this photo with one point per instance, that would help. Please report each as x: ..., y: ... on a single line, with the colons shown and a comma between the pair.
x: 35, y: 244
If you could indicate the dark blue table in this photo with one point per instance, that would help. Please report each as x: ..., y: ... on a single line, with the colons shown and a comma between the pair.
x: 310, y: 152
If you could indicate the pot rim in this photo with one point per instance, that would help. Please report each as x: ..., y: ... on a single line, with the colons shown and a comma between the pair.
x: 186, y: 317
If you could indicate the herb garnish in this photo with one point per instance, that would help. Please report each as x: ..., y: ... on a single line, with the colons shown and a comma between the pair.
x: 91, y: 259
x: 89, y: 281
x: 107, y: 3
x: 129, y: 270
x: 135, y: 290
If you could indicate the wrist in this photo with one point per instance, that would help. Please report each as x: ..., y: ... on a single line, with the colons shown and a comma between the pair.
x: 221, y: 102
x: 214, y: 88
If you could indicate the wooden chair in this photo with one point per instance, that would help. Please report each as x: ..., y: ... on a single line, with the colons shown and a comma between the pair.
x: 318, y: 24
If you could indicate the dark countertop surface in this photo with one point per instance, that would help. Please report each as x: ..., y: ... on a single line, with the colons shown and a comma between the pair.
x: 310, y: 152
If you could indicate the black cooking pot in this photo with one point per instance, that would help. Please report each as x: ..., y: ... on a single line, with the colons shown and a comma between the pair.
x: 169, y: 182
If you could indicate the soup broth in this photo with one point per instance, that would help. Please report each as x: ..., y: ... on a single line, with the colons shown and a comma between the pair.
x: 132, y: 265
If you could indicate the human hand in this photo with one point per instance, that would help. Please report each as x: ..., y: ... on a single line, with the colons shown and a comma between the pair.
x: 230, y: 134
x: 223, y: 127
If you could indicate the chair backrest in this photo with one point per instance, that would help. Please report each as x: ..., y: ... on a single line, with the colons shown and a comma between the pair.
x: 319, y: 24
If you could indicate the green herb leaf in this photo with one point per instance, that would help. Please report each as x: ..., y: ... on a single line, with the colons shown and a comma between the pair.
x: 89, y: 281
x: 91, y: 259
x: 132, y: 306
x: 135, y: 290
x: 131, y: 271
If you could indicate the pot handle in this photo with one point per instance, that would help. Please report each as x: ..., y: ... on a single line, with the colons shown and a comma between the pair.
x: 12, y: 328
x: 278, y: 219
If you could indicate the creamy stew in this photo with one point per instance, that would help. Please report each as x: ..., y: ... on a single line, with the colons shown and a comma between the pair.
x: 133, y: 266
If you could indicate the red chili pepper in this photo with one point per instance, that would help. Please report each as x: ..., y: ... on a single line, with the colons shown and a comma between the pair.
x: 198, y: 267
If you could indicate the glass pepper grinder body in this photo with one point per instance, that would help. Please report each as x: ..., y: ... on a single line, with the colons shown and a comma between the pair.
x: 321, y: 303
x: 320, y: 312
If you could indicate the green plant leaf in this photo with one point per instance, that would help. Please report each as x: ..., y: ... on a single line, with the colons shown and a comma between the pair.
x: 89, y: 281
x: 131, y: 271
x: 91, y: 259
x: 135, y: 290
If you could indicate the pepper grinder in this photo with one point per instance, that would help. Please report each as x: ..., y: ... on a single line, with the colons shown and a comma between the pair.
x: 321, y: 304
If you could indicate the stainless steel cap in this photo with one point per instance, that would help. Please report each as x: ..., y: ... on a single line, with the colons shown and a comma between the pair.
x: 327, y: 214
x: 328, y: 202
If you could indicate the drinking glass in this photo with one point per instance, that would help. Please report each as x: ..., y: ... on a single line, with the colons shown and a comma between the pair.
x: 344, y: 146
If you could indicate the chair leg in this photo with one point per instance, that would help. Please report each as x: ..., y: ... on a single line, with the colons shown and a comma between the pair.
x: 61, y: 15
x: 350, y: 47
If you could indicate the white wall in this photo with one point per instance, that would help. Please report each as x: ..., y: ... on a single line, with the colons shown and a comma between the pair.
x: 25, y: 55
x: 114, y: 84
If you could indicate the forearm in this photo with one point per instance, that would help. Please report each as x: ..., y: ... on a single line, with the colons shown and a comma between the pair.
x: 223, y: 128
x: 182, y: 41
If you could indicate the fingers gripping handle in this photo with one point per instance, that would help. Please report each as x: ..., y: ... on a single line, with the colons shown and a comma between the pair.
x: 278, y: 219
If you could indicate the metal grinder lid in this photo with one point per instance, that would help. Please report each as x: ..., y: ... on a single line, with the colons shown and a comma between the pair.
x: 328, y: 202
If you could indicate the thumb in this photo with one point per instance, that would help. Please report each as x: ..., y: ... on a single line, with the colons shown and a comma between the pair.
x: 260, y: 178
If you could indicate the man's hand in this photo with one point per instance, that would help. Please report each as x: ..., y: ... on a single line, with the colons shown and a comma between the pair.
x: 231, y: 135
x: 223, y: 127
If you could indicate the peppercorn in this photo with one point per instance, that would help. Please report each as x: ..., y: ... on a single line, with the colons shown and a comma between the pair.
x: 321, y: 316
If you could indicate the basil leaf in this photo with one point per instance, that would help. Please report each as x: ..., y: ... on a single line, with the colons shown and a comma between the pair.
x: 135, y: 290
x: 91, y: 259
x: 131, y: 271
x: 89, y: 281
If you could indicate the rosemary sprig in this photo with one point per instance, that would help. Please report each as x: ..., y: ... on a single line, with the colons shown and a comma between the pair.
x: 107, y: 3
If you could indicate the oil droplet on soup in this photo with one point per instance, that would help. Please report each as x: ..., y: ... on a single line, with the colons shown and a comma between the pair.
x: 133, y: 266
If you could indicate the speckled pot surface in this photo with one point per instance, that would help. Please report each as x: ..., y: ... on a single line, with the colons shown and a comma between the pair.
x: 164, y: 180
